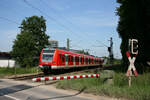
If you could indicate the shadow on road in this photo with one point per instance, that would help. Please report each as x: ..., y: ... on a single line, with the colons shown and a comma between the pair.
x: 65, y: 96
x: 13, y: 89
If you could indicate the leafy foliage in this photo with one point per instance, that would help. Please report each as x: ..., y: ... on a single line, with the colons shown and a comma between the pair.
x: 31, y: 40
x: 134, y: 22
x: 83, y: 52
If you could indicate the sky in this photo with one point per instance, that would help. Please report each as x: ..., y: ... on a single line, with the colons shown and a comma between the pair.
x: 88, y: 24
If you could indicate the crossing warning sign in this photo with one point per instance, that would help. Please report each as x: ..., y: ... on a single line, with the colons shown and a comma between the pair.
x: 131, y: 66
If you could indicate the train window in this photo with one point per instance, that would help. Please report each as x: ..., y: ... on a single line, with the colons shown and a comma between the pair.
x: 71, y: 59
x: 83, y: 59
x: 87, y: 60
x: 77, y: 59
x: 63, y: 58
x: 90, y: 60
x: 66, y: 58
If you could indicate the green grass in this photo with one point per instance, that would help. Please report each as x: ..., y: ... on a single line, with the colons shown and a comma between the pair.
x: 140, y: 89
x: 11, y: 71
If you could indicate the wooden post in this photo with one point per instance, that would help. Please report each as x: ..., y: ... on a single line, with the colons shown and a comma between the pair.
x: 129, y: 81
x: 130, y: 78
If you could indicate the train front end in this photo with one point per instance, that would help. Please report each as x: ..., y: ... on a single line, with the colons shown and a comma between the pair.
x: 46, y: 58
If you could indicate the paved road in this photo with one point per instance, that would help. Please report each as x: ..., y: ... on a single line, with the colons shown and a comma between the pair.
x: 16, y: 90
x: 27, y: 90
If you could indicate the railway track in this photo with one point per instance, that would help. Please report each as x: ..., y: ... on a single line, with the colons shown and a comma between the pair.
x: 64, y: 72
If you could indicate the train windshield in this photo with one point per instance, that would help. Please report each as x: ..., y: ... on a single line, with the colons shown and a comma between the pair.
x: 47, y: 58
x: 47, y: 55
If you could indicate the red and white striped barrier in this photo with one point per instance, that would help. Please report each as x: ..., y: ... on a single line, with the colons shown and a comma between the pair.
x: 131, y: 66
x: 64, y: 77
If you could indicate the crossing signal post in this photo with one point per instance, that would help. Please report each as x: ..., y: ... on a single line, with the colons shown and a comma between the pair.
x: 110, y: 50
x: 131, y: 54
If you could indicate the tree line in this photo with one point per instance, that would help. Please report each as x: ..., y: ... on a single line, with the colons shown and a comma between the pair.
x: 134, y: 22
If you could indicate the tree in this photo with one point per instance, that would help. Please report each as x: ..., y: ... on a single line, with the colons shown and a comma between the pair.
x: 83, y: 52
x: 134, y: 22
x: 29, y: 43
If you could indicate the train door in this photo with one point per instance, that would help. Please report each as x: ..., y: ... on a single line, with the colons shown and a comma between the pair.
x: 74, y: 63
x: 66, y: 60
x: 71, y: 60
x: 77, y: 60
x: 61, y: 59
x: 81, y: 60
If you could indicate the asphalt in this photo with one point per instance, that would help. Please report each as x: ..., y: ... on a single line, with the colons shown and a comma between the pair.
x: 15, y: 90
x: 28, y: 90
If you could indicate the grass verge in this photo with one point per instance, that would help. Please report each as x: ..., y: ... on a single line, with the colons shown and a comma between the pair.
x: 11, y: 71
x: 140, y: 89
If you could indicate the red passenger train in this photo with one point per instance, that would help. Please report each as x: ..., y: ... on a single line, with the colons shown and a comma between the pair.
x: 51, y: 58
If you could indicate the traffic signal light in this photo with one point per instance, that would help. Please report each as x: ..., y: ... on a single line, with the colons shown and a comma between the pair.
x: 109, y: 49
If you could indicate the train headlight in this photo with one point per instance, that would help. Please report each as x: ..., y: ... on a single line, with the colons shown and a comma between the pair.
x: 40, y: 66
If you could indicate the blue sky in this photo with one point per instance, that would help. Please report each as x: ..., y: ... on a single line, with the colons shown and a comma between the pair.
x: 88, y: 23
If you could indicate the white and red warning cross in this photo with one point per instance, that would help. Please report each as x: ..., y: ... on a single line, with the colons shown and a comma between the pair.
x: 131, y: 66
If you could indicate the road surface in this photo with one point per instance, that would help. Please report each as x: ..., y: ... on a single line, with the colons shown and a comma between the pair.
x: 24, y: 90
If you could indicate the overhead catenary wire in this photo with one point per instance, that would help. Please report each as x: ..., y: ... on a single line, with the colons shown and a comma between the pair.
x: 57, y: 22
x: 12, y: 21
x: 50, y: 17
x: 66, y: 20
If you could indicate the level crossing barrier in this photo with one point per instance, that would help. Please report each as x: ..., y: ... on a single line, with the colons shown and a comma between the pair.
x: 64, y: 77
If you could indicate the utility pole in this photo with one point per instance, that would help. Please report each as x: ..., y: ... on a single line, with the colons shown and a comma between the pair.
x: 110, y: 50
x: 68, y: 44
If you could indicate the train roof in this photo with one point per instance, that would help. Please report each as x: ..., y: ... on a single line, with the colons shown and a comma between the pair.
x: 78, y: 54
